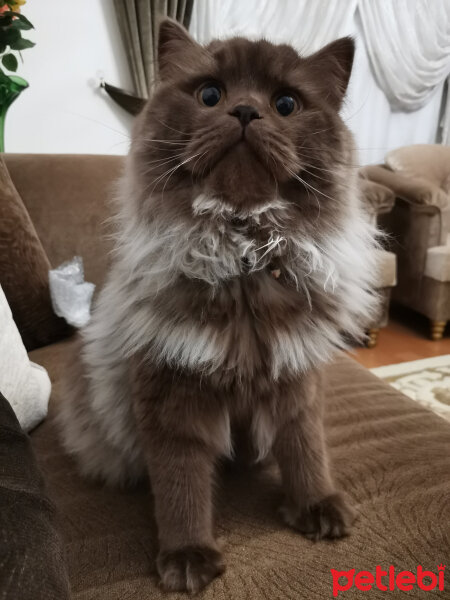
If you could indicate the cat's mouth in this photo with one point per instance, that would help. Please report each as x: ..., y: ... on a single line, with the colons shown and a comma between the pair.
x: 253, y: 147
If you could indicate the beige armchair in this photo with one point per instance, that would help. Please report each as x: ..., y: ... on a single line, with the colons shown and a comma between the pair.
x: 419, y: 228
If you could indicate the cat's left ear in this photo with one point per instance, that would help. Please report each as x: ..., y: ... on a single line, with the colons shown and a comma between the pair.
x: 178, y: 52
x: 332, y: 67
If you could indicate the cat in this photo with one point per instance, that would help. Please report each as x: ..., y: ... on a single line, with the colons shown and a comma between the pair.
x: 242, y: 263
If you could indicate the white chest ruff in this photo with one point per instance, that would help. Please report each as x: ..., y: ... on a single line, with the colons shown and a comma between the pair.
x: 212, y: 249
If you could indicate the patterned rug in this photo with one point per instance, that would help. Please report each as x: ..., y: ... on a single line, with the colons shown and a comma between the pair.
x: 426, y: 381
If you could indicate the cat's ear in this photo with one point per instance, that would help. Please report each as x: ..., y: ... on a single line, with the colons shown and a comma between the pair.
x: 332, y: 67
x: 178, y: 52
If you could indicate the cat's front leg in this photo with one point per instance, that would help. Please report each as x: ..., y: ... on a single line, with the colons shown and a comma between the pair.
x: 182, y: 438
x: 181, y: 472
x: 312, y: 505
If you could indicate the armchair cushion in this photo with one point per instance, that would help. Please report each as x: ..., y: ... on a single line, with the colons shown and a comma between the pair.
x: 24, y: 270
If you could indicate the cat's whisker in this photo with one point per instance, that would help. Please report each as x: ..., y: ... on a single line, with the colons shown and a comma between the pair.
x: 169, y: 142
x: 97, y: 122
x: 120, y: 143
x: 170, y: 172
x: 316, y: 199
x: 204, y: 167
x: 157, y: 148
x: 338, y: 161
x: 312, y: 188
x: 198, y: 159
x: 162, y: 161
x: 168, y: 126
x: 331, y: 180
x: 320, y: 131
x: 308, y: 184
x: 308, y: 187
x: 332, y: 171
x: 327, y: 180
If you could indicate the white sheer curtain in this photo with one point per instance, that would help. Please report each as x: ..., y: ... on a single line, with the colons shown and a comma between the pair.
x: 377, y: 127
x: 393, y: 100
x: 408, y: 42
x: 282, y: 21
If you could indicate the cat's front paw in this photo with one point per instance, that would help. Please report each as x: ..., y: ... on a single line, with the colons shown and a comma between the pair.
x: 331, y: 517
x: 189, y: 569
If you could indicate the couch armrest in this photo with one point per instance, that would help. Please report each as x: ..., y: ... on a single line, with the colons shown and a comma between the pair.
x: 386, y: 269
x: 437, y: 264
x: 427, y: 161
x: 414, y: 190
x: 377, y: 199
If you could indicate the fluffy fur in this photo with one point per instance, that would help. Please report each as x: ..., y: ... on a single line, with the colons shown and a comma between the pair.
x: 193, y: 336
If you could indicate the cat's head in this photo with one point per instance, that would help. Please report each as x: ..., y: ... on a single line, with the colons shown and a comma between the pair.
x: 242, y: 120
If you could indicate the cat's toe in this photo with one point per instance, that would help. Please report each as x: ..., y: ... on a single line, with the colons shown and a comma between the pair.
x: 331, y: 517
x: 189, y: 569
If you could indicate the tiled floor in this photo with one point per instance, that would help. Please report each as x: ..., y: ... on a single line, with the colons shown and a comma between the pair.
x: 405, y: 338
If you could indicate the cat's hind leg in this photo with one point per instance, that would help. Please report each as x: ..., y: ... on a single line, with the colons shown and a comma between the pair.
x: 84, y: 433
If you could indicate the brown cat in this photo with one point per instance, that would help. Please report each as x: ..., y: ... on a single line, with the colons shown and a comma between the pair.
x: 242, y: 260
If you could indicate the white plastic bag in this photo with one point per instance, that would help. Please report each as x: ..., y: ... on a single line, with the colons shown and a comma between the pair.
x: 71, y: 295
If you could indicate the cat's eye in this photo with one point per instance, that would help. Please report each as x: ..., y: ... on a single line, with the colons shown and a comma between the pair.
x: 210, y: 95
x: 285, y: 105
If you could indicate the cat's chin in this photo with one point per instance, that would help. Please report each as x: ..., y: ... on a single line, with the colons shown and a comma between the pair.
x: 240, y: 177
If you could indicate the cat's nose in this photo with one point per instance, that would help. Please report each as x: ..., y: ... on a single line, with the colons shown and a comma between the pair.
x: 245, y: 113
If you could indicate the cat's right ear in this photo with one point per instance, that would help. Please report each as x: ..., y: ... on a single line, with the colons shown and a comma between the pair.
x: 178, y: 52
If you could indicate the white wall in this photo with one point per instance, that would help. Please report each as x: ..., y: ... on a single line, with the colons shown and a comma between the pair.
x: 63, y: 110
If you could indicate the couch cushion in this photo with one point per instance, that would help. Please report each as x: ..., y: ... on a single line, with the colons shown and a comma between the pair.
x: 67, y: 197
x: 24, y: 270
x: 388, y: 453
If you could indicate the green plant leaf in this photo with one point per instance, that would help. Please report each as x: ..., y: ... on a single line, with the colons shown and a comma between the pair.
x: 10, y: 62
x: 5, y: 21
x: 9, y: 36
x: 20, y: 22
x: 2, y: 47
x: 21, y: 44
x: 19, y: 25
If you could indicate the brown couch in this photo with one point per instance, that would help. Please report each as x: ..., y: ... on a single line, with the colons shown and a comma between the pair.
x: 391, y: 455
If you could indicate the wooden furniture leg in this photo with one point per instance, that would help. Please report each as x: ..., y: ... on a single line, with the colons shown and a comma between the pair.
x: 437, y: 329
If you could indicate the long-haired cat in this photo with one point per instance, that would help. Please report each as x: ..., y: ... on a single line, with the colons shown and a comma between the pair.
x: 242, y: 262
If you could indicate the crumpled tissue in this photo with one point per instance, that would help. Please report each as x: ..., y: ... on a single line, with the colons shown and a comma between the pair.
x: 71, y: 296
